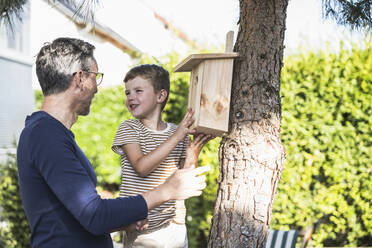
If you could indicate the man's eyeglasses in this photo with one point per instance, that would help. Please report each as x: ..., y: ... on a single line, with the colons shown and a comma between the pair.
x: 99, y: 76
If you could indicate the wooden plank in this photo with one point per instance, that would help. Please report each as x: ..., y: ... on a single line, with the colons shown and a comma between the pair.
x: 196, y: 82
x: 195, y: 59
x: 215, y: 95
x: 229, y: 42
x: 208, y: 130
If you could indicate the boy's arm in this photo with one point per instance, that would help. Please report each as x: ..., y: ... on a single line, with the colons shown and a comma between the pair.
x: 145, y: 164
x: 193, y: 150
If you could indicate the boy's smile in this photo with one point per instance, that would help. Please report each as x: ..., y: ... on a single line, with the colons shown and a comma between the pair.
x: 142, y: 100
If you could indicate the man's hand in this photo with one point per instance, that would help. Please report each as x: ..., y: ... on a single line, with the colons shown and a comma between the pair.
x: 194, y: 148
x: 186, y: 183
x: 182, y: 184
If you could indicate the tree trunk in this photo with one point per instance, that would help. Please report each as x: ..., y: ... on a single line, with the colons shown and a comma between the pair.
x: 251, y: 155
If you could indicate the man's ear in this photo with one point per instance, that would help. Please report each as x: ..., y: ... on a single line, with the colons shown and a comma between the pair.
x: 77, y: 81
x: 162, y: 95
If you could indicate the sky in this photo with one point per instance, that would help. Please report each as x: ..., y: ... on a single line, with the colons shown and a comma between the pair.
x: 204, y: 21
x: 208, y: 21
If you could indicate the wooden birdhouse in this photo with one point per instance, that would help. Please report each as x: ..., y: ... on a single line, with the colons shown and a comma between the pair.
x: 210, y: 88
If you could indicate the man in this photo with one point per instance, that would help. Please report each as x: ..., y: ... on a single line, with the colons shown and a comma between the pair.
x: 57, y: 181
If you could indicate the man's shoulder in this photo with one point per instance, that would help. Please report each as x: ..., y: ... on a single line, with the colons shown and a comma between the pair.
x: 44, y: 127
x: 41, y: 132
x: 39, y: 124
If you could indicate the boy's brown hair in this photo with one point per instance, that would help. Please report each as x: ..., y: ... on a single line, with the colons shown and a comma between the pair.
x: 157, y: 75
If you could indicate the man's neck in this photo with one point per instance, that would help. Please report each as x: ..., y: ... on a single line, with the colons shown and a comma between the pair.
x: 57, y: 106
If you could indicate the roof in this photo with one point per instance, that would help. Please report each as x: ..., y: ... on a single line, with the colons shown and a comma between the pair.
x: 195, y: 59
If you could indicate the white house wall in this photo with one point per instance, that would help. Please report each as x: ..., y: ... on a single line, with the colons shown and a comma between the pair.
x: 17, y: 98
x: 16, y: 94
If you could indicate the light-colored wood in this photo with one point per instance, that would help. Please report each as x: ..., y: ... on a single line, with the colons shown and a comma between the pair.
x: 210, y: 88
x: 195, y: 89
x: 215, y: 95
x: 229, y: 42
x: 194, y: 60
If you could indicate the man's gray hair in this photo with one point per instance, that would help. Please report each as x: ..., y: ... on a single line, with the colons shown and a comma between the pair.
x: 57, y: 61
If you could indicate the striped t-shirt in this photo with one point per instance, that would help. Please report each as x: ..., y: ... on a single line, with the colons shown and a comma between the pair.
x: 134, y: 132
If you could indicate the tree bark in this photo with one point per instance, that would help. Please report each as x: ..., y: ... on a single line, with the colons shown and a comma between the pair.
x: 251, y: 155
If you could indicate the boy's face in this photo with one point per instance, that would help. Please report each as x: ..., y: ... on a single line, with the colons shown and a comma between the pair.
x: 142, y: 101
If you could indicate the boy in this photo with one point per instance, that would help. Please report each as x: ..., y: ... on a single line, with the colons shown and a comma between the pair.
x: 151, y: 150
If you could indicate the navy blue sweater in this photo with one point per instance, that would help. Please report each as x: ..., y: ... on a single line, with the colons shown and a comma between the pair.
x: 58, y: 190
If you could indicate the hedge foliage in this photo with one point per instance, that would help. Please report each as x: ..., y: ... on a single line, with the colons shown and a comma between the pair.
x: 16, y: 232
x: 326, y: 128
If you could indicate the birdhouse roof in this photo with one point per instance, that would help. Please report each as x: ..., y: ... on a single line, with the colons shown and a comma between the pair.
x: 195, y: 59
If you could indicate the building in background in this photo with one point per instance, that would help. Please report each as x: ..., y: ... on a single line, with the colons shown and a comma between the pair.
x: 16, y: 94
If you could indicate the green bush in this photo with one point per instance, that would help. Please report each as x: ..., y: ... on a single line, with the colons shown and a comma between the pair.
x: 326, y: 128
x: 16, y: 233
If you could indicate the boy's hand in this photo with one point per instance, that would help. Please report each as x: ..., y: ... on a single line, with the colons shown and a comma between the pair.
x: 184, y: 127
x: 137, y: 226
x: 194, y: 148
x: 142, y: 225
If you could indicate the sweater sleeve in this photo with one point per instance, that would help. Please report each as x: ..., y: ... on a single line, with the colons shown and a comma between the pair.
x: 69, y: 175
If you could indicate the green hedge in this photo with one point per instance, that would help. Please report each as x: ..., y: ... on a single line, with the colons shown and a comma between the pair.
x: 16, y: 233
x: 326, y: 128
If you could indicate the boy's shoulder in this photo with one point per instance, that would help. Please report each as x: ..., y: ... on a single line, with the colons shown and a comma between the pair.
x: 135, y: 124
x: 131, y: 123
